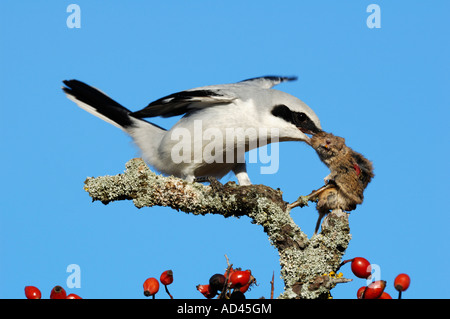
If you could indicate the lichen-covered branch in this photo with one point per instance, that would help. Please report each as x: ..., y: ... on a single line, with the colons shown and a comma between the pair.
x: 303, y: 261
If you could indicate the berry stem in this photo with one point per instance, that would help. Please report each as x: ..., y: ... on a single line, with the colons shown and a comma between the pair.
x: 167, y: 290
x: 343, y: 263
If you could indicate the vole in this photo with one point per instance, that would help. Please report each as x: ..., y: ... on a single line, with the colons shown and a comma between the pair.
x: 350, y: 173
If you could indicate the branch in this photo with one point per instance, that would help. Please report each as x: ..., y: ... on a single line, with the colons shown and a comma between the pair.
x: 302, y: 260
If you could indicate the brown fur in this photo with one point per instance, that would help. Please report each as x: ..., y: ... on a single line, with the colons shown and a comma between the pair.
x: 350, y: 173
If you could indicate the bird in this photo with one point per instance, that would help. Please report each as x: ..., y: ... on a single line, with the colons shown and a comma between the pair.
x: 218, y: 124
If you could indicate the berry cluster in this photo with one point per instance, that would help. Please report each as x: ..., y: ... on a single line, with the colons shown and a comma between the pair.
x: 151, y: 285
x: 235, y: 282
x: 231, y: 285
x: 361, y: 268
x: 57, y: 292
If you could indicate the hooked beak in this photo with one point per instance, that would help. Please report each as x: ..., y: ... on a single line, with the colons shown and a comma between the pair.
x: 306, y: 131
x: 309, y: 132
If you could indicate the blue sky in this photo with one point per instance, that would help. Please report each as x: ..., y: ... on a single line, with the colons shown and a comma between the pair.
x: 386, y: 90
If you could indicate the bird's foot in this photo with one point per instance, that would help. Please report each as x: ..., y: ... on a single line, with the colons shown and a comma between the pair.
x: 213, y: 182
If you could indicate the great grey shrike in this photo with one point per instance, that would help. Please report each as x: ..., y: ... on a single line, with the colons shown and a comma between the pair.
x: 219, y: 124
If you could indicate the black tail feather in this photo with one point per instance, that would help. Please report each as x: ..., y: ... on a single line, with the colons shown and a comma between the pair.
x: 100, y: 102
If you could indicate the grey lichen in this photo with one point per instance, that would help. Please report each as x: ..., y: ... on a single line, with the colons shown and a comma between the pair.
x: 322, y: 256
x: 304, y: 262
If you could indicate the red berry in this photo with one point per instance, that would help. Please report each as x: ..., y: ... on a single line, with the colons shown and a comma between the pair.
x: 166, y: 277
x: 361, y: 267
x: 206, y: 291
x: 58, y: 292
x: 401, y: 282
x: 32, y: 292
x: 151, y: 287
x: 240, y: 278
x: 73, y: 296
x: 360, y: 292
x: 385, y: 295
x: 244, y: 289
x: 374, y: 290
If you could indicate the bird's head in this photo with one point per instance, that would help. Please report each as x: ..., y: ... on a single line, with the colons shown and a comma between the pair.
x: 298, y: 120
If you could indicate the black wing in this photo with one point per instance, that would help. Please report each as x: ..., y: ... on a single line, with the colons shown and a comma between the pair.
x: 183, y: 102
x: 186, y: 101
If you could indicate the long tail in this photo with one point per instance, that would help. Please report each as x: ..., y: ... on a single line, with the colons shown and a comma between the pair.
x: 146, y: 135
x: 99, y: 104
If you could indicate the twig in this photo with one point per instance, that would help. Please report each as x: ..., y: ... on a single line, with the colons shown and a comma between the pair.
x: 272, y: 285
x: 228, y: 261
x: 223, y: 294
